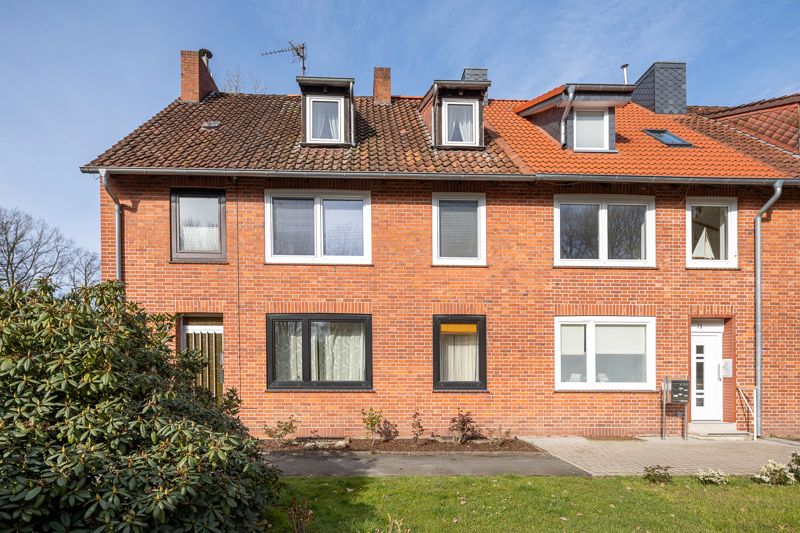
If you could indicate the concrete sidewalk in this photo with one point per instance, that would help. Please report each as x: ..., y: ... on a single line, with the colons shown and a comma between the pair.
x: 385, y: 464
x: 615, y: 458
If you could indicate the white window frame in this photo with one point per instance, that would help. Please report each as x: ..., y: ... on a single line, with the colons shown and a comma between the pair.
x: 731, y: 225
x: 591, y: 322
x: 319, y: 257
x: 309, y: 119
x: 605, y: 147
x: 604, y: 201
x: 460, y: 261
x: 445, y: 130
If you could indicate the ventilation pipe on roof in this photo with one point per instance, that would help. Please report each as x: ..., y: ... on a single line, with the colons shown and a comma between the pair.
x: 104, y: 175
x: 625, y: 73
x: 565, y: 115
x: 778, y: 186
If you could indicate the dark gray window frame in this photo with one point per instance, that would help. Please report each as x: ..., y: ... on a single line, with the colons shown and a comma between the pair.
x: 480, y: 321
x: 197, y: 257
x: 307, y: 384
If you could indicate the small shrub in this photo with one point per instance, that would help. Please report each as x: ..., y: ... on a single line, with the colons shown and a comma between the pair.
x: 775, y: 474
x: 281, y: 430
x: 712, y: 477
x: 463, y: 427
x: 417, y: 429
x: 499, y: 436
x: 657, y: 474
x: 387, y: 430
x: 300, y: 516
x: 371, y: 419
x: 794, y: 465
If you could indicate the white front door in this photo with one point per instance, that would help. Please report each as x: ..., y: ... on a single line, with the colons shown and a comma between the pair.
x: 706, y: 372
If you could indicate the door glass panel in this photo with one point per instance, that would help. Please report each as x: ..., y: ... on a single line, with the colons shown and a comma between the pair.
x: 699, y: 372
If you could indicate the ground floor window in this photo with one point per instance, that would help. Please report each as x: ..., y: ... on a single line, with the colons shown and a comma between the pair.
x: 319, y: 351
x: 204, y: 334
x: 605, y: 353
x: 459, y: 352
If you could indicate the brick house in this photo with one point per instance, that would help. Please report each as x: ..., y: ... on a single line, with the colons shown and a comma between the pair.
x: 543, y: 263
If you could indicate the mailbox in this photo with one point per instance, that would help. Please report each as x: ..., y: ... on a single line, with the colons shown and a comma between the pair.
x: 726, y: 368
x: 678, y: 391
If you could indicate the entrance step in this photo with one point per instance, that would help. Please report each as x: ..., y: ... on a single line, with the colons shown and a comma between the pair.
x: 717, y: 431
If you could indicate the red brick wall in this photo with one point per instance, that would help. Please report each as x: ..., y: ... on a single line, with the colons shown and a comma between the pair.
x: 519, y: 292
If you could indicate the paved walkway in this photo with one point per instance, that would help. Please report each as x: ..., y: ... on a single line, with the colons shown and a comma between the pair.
x: 471, y: 464
x: 614, y: 458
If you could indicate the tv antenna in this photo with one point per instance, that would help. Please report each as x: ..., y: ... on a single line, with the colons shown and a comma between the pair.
x: 297, y: 50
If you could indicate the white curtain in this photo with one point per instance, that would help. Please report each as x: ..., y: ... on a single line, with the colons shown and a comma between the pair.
x: 325, y: 120
x: 289, y: 351
x: 199, y: 223
x: 343, y: 227
x: 460, y: 127
x: 199, y: 239
x: 338, y: 351
x: 458, y: 357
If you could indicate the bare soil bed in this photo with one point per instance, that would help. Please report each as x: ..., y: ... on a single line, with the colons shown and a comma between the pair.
x: 404, y: 446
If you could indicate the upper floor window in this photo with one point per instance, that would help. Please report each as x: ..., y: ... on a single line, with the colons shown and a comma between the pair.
x: 325, y: 119
x: 460, y: 119
x: 711, y: 237
x: 591, y: 130
x: 605, y: 353
x: 318, y: 227
x: 198, y: 224
x: 459, y: 229
x: 604, y: 231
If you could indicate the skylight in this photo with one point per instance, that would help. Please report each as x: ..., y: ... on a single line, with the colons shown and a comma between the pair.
x: 670, y: 139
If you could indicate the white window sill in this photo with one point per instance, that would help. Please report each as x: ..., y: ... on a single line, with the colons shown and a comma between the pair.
x: 712, y: 266
x: 604, y: 264
x: 477, y: 264
x: 299, y: 260
x: 594, y: 151
x: 626, y: 387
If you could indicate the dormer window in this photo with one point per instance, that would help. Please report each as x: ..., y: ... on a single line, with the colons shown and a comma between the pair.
x: 325, y: 122
x: 591, y: 130
x: 327, y: 111
x: 460, y: 118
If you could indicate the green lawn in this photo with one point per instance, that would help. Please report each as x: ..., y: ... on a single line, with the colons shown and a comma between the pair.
x: 512, y: 503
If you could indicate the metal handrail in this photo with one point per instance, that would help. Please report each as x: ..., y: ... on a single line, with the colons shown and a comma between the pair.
x: 753, y: 412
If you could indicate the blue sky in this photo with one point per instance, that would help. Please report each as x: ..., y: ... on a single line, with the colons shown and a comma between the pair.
x: 78, y: 76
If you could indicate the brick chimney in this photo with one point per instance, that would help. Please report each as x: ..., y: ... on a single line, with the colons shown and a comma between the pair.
x: 196, y: 80
x: 382, y: 85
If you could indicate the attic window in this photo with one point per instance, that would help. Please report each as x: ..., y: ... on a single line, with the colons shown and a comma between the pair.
x: 324, y: 122
x: 460, y: 118
x: 670, y: 139
x: 591, y: 130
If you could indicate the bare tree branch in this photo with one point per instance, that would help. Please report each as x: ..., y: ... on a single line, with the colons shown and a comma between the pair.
x: 31, y: 250
x: 236, y: 82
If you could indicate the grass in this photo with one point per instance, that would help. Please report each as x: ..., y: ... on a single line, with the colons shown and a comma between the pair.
x: 513, y: 503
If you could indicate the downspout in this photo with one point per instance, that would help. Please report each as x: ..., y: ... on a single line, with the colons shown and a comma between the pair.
x: 433, y: 114
x: 104, y: 175
x: 565, y: 115
x: 352, y: 116
x: 778, y: 186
